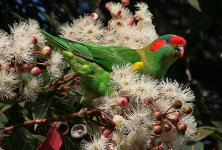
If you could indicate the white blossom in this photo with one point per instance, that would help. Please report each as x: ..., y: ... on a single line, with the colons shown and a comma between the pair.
x: 135, y: 122
x: 23, y: 51
x: 55, y: 65
x: 84, y: 29
x: 118, y: 32
x: 8, y: 83
x: 115, y: 8
x: 101, y: 143
x: 26, y: 30
x: 32, y: 88
x: 189, y: 120
x: 5, y: 42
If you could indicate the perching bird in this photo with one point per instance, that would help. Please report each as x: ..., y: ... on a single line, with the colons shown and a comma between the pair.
x: 94, y: 62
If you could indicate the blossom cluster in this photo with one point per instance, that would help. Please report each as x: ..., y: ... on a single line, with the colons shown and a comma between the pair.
x: 147, y: 113
x: 124, y: 29
x: 24, y: 55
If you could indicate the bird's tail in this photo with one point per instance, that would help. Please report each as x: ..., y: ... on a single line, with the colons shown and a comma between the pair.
x: 68, y: 46
x: 55, y: 42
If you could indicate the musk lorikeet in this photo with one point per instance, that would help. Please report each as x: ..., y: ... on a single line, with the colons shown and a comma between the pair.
x: 94, y: 62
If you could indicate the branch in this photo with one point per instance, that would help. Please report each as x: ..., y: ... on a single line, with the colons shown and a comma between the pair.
x: 187, y: 70
x: 42, y: 121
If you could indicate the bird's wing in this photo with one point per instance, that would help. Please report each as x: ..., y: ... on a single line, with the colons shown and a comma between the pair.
x: 107, y: 56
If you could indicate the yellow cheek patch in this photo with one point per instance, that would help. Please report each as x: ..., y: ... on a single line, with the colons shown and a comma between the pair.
x: 138, y: 65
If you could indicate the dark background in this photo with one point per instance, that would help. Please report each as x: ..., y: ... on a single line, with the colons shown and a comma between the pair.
x: 201, y: 26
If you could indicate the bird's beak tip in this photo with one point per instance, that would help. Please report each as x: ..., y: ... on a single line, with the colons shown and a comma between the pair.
x: 181, y: 52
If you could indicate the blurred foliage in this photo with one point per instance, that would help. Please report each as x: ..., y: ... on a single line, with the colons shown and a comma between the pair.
x: 199, y: 21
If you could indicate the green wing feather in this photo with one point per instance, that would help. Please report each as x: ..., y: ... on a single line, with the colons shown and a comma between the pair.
x: 55, y: 42
x: 105, y: 56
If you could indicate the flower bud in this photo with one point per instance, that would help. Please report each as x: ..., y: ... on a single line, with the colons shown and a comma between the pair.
x: 122, y: 102
x: 34, y: 40
x: 107, y: 5
x: 167, y: 127
x: 157, y: 129
x: 26, y: 67
x: 181, y: 128
x: 94, y: 16
x: 107, y: 133
x: 158, y: 115
x: 103, y: 128
x: 131, y: 21
x: 149, y: 101
x: 125, y: 2
x: 177, y: 104
x: 35, y: 71
x: 46, y: 51
x: 173, y: 118
x: 160, y: 147
x: 187, y: 109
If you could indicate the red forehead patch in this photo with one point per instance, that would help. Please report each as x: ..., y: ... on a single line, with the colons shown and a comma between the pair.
x: 176, y: 40
x: 157, y: 44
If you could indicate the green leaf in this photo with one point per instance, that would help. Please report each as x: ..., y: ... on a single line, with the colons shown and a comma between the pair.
x: 217, y: 124
x: 68, y: 144
x: 24, y: 140
x: 195, y: 146
x: 6, y: 105
x: 203, y: 132
x: 195, y: 4
x: 41, y: 107
x: 3, y: 118
x: 219, y: 145
x: 217, y: 136
x: 62, y: 106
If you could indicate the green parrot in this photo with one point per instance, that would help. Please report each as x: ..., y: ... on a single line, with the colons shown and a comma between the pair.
x: 93, y: 62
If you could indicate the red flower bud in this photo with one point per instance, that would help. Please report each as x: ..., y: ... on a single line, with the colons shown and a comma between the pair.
x: 181, y: 128
x: 107, y: 133
x: 157, y: 129
x: 160, y: 147
x: 107, y: 5
x: 177, y: 104
x: 26, y: 67
x: 131, y: 21
x: 46, y: 51
x: 125, y: 2
x: 158, y: 115
x: 34, y: 40
x: 173, y: 118
x: 94, y: 16
x: 35, y: 71
x: 167, y: 127
x: 122, y: 102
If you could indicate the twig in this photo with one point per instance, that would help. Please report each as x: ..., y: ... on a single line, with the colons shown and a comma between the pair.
x: 42, y: 121
x: 188, y: 73
x: 187, y: 70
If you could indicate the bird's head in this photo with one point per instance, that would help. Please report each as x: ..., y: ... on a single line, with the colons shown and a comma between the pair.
x: 171, y: 45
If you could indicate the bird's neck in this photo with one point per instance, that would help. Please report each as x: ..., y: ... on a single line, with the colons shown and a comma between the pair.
x: 154, y: 63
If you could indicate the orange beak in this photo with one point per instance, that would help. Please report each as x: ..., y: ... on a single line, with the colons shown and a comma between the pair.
x: 181, y: 52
